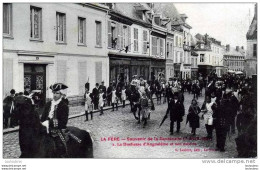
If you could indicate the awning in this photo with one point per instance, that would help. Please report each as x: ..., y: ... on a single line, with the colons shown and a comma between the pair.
x: 231, y: 71
x: 239, y: 72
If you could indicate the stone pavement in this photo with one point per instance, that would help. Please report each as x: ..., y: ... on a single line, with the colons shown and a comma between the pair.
x: 122, y: 124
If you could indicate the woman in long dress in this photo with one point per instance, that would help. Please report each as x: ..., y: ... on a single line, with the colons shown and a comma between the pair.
x: 193, y: 116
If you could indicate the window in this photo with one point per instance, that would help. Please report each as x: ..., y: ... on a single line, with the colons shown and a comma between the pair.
x: 167, y: 48
x: 192, y: 62
x: 154, y: 46
x: 145, y: 39
x: 36, y: 22
x: 82, y: 30
x: 255, y: 50
x: 157, y: 20
x: 125, y: 36
x: 161, y: 47
x: 176, y: 41
x: 60, y: 27
x: 135, y: 39
x: 176, y: 56
x: 7, y: 19
x: 171, y: 50
x: 181, y: 57
x: 196, y: 64
x: 98, y: 34
x: 202, y: 58
x: 180, y: 42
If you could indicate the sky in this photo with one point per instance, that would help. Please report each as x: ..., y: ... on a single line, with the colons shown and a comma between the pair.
x: 226, y: 22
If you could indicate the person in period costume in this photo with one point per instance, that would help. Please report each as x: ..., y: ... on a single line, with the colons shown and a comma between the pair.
x: 101, y: 99
x: 119, y: 93
x: 144, y: 108
x: 221, y: 115
x: 176, y: 109
x: 234, y: 107
x: 123, y: 96
x: 104, y: 89
x: 88, y: 104
x: 95, y: 93
x: 109, y: 94
x: 65, y: 99
x: 55, y: 117
x: 135, y: 97
x: 27, y: 91
x: 8, y: 107
x: 193, y: 116
x: 207, y: 115
x: 114, y: 99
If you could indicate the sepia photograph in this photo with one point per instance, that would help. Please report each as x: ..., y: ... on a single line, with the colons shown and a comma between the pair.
x: 129, y: 80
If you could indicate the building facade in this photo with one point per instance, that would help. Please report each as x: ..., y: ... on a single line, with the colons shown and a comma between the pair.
x: 136, y: 42
x: 210, y: 55
x: 234, y: 58
x: 48, y: 43
x: 251, y: 55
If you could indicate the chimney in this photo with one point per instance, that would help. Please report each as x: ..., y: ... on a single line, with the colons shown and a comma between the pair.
x: 206, y: 38
x: 237, y: 48
x: 242, y: 47
x: 227, y: 47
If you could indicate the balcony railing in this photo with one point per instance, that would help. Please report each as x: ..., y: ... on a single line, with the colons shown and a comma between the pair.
x: 186, y: 47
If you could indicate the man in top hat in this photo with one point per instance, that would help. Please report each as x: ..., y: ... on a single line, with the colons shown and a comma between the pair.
x: 55, y: 118
x: 176, y: 109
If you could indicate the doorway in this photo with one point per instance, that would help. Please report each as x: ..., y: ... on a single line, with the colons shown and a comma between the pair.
x: 35, y: 80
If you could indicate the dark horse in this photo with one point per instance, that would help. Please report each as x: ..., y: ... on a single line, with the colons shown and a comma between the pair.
x: 36, y: 143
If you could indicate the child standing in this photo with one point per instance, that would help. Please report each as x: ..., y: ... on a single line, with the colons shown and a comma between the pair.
x: 123, y: 96
x: 101, y: 98
x: 114, y: 99
x: 88, y: 104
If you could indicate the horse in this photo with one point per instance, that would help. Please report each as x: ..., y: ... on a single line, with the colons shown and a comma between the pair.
x: 36, y: 143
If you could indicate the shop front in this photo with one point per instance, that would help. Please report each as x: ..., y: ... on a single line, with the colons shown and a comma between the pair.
x: 194, y: 73
x: 157, y: 66
x: 122, y: 69
x: 205, y: 70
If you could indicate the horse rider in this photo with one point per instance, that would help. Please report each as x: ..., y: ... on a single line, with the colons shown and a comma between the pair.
x: 55, y: 118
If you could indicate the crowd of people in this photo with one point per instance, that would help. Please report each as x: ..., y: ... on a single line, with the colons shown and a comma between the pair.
x: 229, y: 104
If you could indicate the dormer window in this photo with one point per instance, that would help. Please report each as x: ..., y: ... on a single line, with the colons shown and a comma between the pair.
x: 157, y: 20
x: 202, y: 46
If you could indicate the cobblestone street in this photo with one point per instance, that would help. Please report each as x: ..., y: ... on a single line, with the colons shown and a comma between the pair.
x: 122, y: 124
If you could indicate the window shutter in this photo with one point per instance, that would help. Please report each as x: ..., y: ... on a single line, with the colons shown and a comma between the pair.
x: 117, y: 36
x: 82, y: 75
x: 61, y: 71
x: 121, y: 38
x: 8, y: 75
x: 98, y: 72
x: 129, y: 38
x: 109, y: 34
x: 64, y: 33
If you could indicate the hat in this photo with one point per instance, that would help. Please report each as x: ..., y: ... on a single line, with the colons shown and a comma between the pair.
x: 12, y: 91
x: 58, y: 87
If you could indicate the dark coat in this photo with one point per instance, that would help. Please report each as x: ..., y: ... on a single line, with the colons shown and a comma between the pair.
x: 221, y: 115
x: 109, y: 92
x: 176, y: 110
x: 62, y: 114
x: 7, y: 103
x: 104, y: 89
x: 193, y: 116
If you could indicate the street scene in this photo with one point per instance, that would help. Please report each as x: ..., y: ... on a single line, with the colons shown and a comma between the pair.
x: 121, y: 124
x: 127, y: 80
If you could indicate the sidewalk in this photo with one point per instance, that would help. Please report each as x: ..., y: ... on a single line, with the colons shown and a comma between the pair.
x: 74, y: 112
